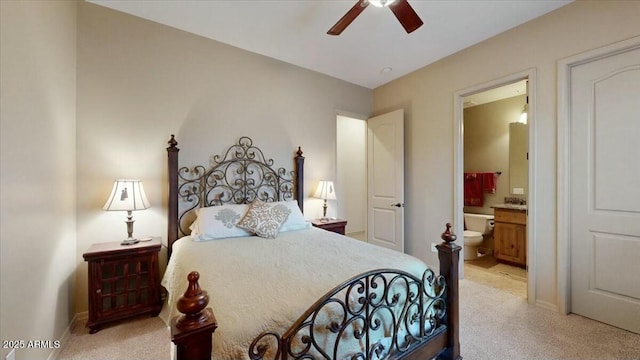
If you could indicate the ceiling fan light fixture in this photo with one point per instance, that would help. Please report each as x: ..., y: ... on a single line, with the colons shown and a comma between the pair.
x: 381, y: 3
x: 408, y: 18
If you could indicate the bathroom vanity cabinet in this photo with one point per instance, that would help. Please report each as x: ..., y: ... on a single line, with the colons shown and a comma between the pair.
x: 510, y: 236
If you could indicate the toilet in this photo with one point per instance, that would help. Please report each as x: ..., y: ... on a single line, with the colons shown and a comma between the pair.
x: 477, y: 225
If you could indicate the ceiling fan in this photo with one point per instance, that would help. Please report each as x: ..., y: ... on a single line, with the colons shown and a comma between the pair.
x: 400, y: 8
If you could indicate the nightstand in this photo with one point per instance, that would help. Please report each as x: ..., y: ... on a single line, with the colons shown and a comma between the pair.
x: 335, y: 225
x: 123, y: 281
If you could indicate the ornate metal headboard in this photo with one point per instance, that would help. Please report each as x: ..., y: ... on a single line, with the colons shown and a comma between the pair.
x: 240, y: 176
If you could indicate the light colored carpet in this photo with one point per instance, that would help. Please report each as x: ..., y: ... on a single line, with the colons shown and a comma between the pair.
x: 142, y: 338
x: 495, y: 324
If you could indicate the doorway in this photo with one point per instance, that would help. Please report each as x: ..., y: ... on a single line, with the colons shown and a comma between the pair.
x: 487, y: 116
x: 351, y: 163
x: 371, y: 162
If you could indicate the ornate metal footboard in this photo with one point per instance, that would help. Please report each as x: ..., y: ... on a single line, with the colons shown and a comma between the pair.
x: 380, y: 314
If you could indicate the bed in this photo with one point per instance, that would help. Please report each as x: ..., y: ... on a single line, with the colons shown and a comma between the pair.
x: 246, y: 266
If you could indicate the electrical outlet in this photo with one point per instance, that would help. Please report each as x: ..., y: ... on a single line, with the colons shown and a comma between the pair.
x: 433, y: 247
x: 11, y: 355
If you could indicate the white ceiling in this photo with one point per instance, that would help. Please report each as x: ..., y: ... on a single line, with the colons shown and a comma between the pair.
x: 294, y: 31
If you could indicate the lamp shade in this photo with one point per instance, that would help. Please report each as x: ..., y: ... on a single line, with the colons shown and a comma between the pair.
x: 325, y: 190
x: 381, y: 3
x: 127, y: 195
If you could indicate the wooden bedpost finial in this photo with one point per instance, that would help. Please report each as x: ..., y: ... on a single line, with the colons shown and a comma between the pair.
x: 192, y: 303
x: 191, y: 332
x: 172, y: 142
x: 299, y: 152
x: 448, y: 236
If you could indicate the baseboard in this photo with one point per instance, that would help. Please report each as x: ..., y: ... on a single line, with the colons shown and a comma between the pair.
x: 67, y: 333
x: 547, y: 305
x: 82, y: 316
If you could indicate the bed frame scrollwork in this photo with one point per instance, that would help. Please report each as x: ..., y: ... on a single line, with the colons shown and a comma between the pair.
x: 387, y: 312
x: 240, y: 176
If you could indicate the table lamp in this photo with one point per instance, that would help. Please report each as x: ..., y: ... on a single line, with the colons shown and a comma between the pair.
x: 326, y: 192
x: 127, y: 195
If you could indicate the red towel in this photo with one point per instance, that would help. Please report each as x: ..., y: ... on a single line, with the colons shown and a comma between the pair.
x: 475, y: 185
x: 473, y: 189
x: 489, y: 182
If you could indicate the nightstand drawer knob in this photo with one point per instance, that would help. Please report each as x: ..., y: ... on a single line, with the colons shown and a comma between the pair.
x: 98, y: 291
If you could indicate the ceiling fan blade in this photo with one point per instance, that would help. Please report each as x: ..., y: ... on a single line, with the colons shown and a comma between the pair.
x: 348, y: 17
x: 406, y: 15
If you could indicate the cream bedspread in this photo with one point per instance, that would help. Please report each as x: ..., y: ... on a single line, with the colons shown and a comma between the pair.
x: 258, y: 284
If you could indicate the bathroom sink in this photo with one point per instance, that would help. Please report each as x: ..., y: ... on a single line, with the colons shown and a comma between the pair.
x: 511, y: 206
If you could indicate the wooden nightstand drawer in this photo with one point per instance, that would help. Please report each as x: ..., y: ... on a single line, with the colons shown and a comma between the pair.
x: 123, y: 281
x: 336, y: 225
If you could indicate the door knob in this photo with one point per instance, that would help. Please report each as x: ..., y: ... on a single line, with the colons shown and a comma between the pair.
x: 398, y: 205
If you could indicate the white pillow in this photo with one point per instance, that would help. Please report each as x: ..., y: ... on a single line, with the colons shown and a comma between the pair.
x: 265, y: 219
x: 296, y: 220
x: 217, y: 222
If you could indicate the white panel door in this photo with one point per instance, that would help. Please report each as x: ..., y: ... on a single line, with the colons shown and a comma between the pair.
x: 605, y: 189
x: 385, y: 180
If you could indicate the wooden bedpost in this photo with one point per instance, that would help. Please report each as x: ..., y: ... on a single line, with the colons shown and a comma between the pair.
x: 449, y: 256
x: 172, y: 230
x: 192, y: 331
x: 300, y: 179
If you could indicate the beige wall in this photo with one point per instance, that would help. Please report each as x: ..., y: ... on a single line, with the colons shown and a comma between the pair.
x: 139, y: 82
x: 486, y: 145
x: 37, y: 171
x: 427, y: 96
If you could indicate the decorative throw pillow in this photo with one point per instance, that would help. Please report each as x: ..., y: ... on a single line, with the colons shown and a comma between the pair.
x: 295, y: 220
x: 265, y: 219
x: 218, y: 222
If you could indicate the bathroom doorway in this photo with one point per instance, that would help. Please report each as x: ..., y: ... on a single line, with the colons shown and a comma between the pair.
x: 492, y: 182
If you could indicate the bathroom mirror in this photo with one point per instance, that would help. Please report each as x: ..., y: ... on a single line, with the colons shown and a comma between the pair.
x: 518, y: 158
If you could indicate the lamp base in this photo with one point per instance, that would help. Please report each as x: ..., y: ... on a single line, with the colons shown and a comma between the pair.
x: 129, y: 241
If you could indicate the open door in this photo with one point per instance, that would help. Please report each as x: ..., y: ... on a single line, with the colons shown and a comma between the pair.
x: 604, y: 188
x: 385, y: 180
